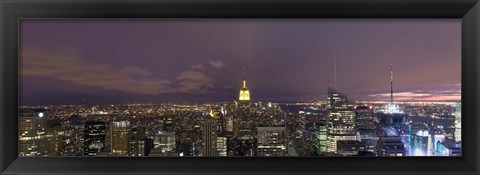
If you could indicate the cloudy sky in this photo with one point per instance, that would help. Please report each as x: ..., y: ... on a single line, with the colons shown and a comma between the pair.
x: 200, y: 60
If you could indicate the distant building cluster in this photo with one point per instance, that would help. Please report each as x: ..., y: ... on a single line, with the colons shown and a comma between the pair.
x: 335, y: 127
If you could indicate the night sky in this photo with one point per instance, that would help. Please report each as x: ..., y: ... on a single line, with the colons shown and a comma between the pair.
x: 200, y: 60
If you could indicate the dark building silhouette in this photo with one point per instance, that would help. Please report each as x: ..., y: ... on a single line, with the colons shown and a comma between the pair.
x: 94, y: 138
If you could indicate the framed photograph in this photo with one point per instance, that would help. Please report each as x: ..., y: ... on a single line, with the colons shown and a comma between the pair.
x: 240, y: 87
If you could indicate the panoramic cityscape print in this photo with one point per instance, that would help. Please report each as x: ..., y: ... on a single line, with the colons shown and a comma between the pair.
x: 240, y: 87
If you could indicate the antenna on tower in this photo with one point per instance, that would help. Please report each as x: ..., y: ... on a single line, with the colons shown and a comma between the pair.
x: 335, y: 70
x: 244, y: 77
x: 391, y: 83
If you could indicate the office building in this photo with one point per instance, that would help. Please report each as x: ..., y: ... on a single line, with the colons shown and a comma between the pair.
x: 209, y: 137
x: 340, y: 119
x: 168, y: 124
x: 32, y: 130
x: 369, y: 138
x: 221, y: 146
x: 119, y: 135
x: 187, y: 149
x: 448, y: 149
x: 421, y: 143
x: 145, y: 145
x: 136, y: 136
x: 55, y: 144
x: 164, y: 142
x: 458, y: 123
x: 272, y: 141
x: 364, y: 117
x: 320, y: 139
x: 390, y: 146
x: 350, y: 147
x: 94, y: 137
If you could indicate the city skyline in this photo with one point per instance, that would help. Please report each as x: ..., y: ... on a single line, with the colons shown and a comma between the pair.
x: 200, y: 61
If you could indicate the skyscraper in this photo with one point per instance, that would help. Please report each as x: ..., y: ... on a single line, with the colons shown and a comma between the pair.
x: 119, y: 135
x: 221, y: 146
x: 350, y: 147
x: 272, y: 141
x: 366, y: 127
x: 391, y: 107
x: 448, y: 149
x: 164, y: 142
x: 244, y: 126
x: 320, y: 139
x: 32, y: 129
x: 458, y: 123
x: 364, y: 117
x: 340, y: 119
x: 421, y: 144
x: 244, y: 97
x: 144, y: 146
x: 137, y: 135
x: 55, y: 140
x: 390, y: 146
x: 94, y: 139
x: 209, y: 137
x: 392, y: 114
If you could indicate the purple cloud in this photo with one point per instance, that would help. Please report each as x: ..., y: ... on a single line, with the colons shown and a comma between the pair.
x: 69, y: 66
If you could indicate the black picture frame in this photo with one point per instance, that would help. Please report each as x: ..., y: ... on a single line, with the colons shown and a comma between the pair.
x: 13, y: 10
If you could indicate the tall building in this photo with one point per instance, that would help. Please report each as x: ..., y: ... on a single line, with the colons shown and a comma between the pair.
x: 366, y: 127
x: 229, y: 123
x: 209, y: 137
x: 221, y: 146
x: 244, y: 97
x: 320, y: 139
x: 94, y: 138
x: 393, y: 119
x: 74, y: 140
x: 369, y: 138
x: 32, y: 130
x: 164, y: 142
x: 421, y: 144
x: 169, y: 123
x: 340, y: 119
x: 272, y: 141
x: 458, y: 123
x: 136, y: 136
x: 392, y: 114
x: 364, y: 117
x: 390, y: 146
x: 55, y: 138
x: 448, y: 149
x: 244, y: 127
x: 144, y: 146
x: 119, y: 135
x: 187, y: 149
x: 350, y: 147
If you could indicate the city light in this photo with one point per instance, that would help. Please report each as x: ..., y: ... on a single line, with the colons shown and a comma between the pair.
x: 334, y: 126
x: 295, y: 129
x: 418, y: 152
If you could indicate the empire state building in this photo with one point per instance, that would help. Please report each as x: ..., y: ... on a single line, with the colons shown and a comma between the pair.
x: 244, y: 97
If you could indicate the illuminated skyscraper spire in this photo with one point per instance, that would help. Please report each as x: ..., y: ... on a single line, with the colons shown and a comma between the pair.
x: 244, y: 97
x: 392, y: 107
x: 391, y: 83
x: 244, y: 78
